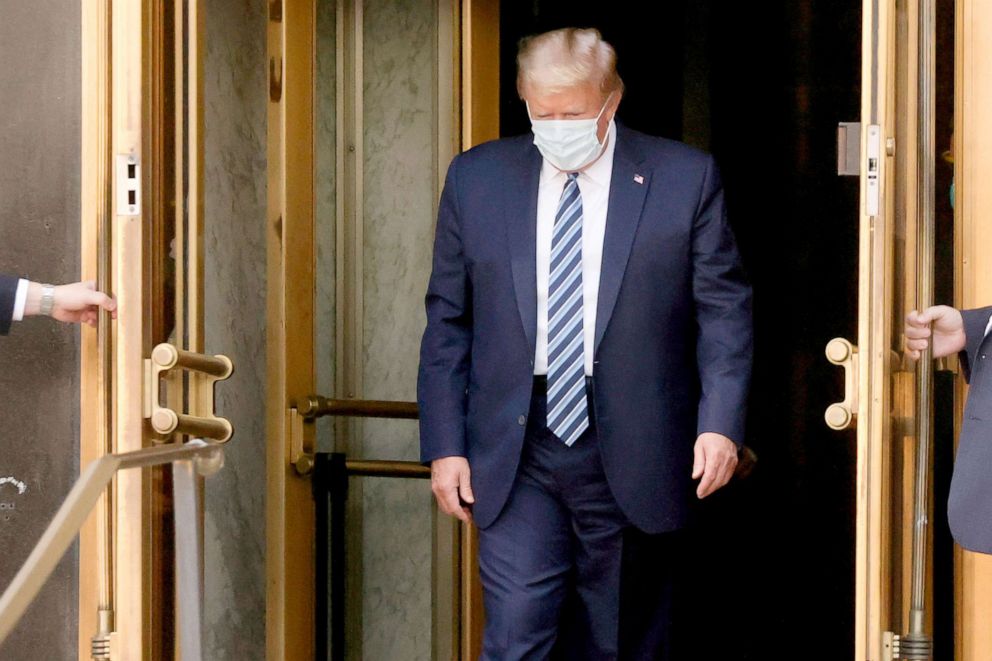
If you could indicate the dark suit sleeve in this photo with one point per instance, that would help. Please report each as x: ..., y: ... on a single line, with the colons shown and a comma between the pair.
x: 975, y: 323
x: 447, y: 343
x: 8, y: 292
x: 723, y: 315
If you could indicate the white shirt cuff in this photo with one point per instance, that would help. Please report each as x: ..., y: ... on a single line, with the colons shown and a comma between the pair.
x: 20, y: 299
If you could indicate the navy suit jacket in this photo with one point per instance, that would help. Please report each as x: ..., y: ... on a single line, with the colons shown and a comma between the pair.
x: 969, y: 506
x: 673, y: 330
x: 8, y: 291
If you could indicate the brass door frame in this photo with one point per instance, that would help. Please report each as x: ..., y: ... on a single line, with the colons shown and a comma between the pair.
x: 114, y: 549
x: 871, y: 586
x: 289, y: 505
x: 129, y: 54
x: 886, y: 388
x: 95, y: 396
x: 893, y: 239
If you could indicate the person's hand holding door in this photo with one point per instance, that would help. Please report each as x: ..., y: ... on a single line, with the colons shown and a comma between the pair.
x: 451, y: 484
x: 948, y: 331
x: 79, y: 302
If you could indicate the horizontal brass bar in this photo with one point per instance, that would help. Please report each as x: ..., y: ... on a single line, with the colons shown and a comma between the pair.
x: 315, y: 406
x: 166, y: 421
x: 168, y: 356
x: 411, y: 469
x: 217, y: 429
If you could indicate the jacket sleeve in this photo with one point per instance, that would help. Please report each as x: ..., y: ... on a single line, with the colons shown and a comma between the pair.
x: 723, y: 315
x: 8, y: 292
x: 446, y: 347
x: 975, y: 323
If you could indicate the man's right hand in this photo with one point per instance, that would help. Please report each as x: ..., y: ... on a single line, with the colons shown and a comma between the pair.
x: 948, y: 331
x: 76, y: 303
x: 451, y: 484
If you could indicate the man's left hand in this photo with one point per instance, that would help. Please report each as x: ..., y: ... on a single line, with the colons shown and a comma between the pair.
x: 715, y: 461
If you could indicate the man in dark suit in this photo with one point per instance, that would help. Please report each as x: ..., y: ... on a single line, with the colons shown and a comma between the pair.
x: 587, y: 357
x: 969, y: 506
x: 75, y: 303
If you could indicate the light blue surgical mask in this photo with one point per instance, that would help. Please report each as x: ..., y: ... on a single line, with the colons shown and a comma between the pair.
x: 568, y: 144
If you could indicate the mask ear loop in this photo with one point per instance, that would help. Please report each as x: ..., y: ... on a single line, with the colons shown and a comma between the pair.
x: 601, y: 110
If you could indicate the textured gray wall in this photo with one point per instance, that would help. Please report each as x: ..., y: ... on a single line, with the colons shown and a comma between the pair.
x: 325, y: 215
x: 400, y: 61
x: 39, y: 361
x: 234, y: 118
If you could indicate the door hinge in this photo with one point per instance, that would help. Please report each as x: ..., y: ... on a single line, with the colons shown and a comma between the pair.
x: 890, y: 646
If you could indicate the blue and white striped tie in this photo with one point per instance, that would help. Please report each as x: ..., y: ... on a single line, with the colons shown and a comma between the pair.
x: 568, y: 410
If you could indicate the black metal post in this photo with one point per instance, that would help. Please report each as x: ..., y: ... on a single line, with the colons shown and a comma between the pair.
x: 339, y: 497
x: 321, y: 491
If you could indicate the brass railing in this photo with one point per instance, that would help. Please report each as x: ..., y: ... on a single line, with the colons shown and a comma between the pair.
x: 315, y: 406
x: 187, y: 459
x: 917, y: 643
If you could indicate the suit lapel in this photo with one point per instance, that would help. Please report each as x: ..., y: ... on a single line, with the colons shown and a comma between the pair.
x: 628, y: 188
x: 520, y: 207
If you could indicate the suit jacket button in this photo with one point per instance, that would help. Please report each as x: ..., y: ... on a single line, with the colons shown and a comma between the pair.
x: 522, y: 420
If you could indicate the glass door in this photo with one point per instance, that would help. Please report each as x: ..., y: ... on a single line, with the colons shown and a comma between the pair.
x: 890, y: 398
x: 146, y: 381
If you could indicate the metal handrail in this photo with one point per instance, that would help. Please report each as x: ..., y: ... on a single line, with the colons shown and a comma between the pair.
x: 400, y: 469
x: 203, y: 457
x: 316, y: 406
x: 917, y: 643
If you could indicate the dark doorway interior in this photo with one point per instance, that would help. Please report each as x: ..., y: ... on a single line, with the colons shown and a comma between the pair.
x: 762, y: 86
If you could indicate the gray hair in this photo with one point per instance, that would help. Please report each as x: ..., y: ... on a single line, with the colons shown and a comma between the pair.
x: 566, y: 58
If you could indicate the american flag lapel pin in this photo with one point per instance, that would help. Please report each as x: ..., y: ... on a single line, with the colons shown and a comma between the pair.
x: 638, y: 178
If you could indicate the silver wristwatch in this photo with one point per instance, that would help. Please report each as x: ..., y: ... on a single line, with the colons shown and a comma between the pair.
x: 47, y: 300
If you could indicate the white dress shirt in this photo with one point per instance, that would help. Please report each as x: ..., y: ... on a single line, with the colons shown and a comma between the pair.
x: 20, y: 300
x: 988, y: 329
x: 594, y: 186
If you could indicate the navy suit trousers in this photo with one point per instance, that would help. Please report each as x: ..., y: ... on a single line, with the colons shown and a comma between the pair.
x: 563, y: 571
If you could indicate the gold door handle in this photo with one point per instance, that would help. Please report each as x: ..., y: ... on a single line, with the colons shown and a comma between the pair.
x: 843, y: 415
x: 208, y: 370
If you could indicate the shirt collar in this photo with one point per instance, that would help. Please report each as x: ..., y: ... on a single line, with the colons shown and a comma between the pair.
x: 599, y: 172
